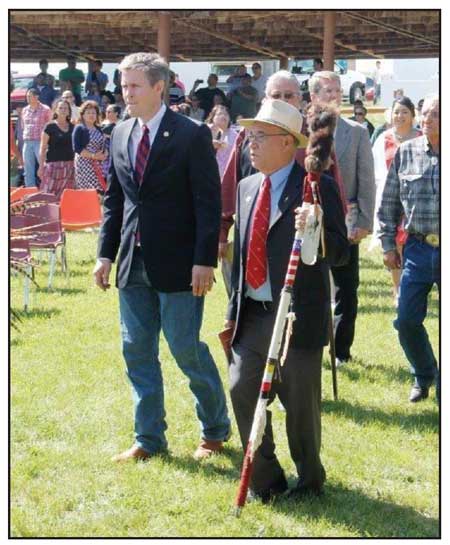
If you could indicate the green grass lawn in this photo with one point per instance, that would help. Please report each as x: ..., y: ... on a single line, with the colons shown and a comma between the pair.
x: 71, y: 410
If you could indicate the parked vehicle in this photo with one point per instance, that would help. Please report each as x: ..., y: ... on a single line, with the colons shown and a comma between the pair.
x: 21, y: 84
x: 353, y: 83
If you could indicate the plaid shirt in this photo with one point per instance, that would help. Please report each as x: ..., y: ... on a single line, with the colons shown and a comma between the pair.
x: 34, y: 121
x: 412, y: 188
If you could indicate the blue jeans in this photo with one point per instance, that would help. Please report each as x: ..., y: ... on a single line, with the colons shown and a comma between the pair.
x: 30, y: 158
x: 144, y: 311
x: 421, y: 269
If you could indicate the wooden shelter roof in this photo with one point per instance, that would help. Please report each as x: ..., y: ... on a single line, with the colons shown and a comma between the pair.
x: 222, y: 34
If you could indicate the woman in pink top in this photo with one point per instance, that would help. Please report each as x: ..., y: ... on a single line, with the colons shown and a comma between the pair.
x: 224, y: 136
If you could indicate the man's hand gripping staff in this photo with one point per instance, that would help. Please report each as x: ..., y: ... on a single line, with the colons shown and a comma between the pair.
x: 321, y: 122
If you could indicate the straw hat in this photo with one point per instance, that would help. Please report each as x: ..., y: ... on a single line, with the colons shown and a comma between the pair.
x: 280, y: 114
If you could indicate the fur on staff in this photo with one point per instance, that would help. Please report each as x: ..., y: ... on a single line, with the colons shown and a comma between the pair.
x: 321, y: 119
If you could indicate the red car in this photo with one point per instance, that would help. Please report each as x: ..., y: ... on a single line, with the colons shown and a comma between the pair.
x: 18, y: 96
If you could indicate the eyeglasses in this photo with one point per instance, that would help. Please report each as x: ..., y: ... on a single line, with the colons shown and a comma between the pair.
x: 359, y: 114
x: 260, y: 136
x: 283, y: 96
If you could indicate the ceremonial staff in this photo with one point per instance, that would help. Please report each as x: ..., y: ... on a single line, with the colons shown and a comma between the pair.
x: 321, y: 122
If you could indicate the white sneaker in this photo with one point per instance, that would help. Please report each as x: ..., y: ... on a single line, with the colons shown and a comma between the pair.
x: 341, y: 363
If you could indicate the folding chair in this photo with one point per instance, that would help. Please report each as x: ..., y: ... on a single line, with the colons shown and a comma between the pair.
x: 19, y: 252
x: 80, y: 209
x: 49, y: 234
x: 18, y: 193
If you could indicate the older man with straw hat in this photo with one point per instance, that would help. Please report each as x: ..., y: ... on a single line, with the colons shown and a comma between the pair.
x: 264, y: 232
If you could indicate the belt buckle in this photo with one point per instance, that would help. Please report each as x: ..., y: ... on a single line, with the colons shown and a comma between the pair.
x: 432, y: 240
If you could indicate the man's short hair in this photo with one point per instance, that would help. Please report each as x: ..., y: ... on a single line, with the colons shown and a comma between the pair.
x: 98, y: 62
x: 43, y: 61
x: 318, y: 60
x: 315, y: 84
x: 215, y: 76
x: 154, y: 67
x: 256, y: 65
x: 33, y: 91
x: 284, y: 75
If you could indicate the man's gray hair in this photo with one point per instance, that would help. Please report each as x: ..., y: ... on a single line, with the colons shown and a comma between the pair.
x: 315, y: 83
x: 154, y: 67
x: 432, y: 98
x: 284, y: 75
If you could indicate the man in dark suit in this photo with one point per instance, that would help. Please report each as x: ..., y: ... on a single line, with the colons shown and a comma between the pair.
x: 355, y: 159
x: 277, y: 188
x: 162, y: 214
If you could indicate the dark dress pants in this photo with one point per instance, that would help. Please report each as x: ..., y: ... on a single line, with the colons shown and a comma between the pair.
x: 299, y: 391
x: 346, y: 281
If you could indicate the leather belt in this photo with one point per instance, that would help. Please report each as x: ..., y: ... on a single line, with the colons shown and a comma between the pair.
x: 266, y: 306
x: 431, y: 239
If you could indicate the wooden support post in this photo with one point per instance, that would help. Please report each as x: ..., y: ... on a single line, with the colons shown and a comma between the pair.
x: 164, y: 44
x: 284, y: 63
x: 164, y: 36
x: 328, y: 39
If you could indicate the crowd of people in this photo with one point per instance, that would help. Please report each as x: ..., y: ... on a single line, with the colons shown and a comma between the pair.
x: 181, y: 182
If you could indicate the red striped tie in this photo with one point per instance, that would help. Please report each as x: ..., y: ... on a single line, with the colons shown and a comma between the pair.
x: 256, y: 271
x: 142, y: 155
x: 141, y: 162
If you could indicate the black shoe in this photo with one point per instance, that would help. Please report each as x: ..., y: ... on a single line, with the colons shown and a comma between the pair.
x: 418, y: 393
x: 300, y: 493
x: 267, y: 495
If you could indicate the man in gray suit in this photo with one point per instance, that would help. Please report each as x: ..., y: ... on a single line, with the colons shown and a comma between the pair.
x: 355, y: 159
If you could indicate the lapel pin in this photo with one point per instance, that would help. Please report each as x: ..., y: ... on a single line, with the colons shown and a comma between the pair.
x: 166, y: 134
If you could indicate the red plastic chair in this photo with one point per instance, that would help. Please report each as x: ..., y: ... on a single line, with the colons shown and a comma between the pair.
x: 80, y: 209
x: 18, y: 193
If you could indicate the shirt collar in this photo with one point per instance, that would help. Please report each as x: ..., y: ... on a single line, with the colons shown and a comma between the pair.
x: 155, y: 121
x: 280, y: 176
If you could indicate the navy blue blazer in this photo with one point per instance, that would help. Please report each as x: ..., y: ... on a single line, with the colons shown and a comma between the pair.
x: 177, y: 208
x: 311, y: 293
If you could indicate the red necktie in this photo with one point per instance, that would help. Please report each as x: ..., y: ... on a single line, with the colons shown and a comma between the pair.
x: 142, y: 154
x: 141, y: 162
x: 256, y: 271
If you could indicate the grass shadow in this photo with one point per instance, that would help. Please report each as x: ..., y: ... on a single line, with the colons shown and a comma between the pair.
x: 365, y: 263
x: 38, y: 313
x: 209, y: 468
x: 61, y: 291
x: 360, y: 513
x: 427, y: 420
x: 356, y: 374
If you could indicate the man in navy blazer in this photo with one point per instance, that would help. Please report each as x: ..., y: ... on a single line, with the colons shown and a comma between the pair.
x: 162, y: 218
x: 251, y: 312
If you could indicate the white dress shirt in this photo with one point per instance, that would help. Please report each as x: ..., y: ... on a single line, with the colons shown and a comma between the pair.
x: 136, y: 133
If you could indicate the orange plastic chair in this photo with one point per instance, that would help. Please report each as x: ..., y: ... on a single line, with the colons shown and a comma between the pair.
x: 80, y: 209
x: 18, y: 193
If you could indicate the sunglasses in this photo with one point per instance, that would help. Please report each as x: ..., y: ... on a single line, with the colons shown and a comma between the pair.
x: 359, y: 114
x: 284, y: 96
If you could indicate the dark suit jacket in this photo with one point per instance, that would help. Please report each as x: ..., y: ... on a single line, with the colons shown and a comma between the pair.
x: 311, y: 294
x: 177, y: 207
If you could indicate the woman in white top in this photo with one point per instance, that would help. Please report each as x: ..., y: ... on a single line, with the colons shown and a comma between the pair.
x: 384, y: 149
x: 223, y: 134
